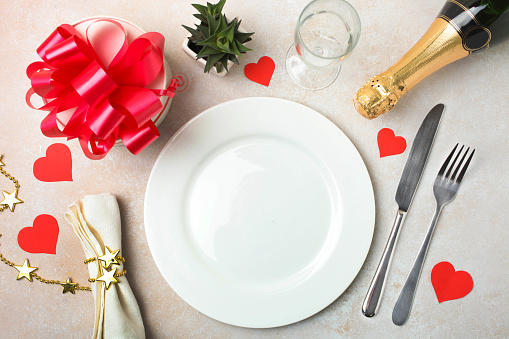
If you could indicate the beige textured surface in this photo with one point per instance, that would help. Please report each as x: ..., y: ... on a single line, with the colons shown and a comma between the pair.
x: 472, y: 232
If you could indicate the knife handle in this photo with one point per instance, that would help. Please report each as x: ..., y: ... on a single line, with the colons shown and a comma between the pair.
x: 402, y: 308
x: 374, y: 295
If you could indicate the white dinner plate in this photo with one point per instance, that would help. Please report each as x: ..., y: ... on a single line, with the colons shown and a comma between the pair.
x: 259, y: 212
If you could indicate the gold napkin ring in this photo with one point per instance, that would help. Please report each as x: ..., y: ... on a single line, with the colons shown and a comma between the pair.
x: 109, y: 275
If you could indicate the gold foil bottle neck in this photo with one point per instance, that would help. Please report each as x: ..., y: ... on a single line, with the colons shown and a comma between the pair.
x: 439, y: 46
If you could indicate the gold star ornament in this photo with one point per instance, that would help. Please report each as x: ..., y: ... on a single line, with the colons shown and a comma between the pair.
x: 25, y: 270
x: 110, y: 257
x: 108, y: 278
x: 1, y: 163
x: 69, y: 286
x: 11, y: 199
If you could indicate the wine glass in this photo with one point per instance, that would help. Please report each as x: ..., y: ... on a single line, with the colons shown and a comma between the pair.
x: 326, y: 33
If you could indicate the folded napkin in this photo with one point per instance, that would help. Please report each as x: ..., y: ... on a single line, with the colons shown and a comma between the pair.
x: 96, y: 221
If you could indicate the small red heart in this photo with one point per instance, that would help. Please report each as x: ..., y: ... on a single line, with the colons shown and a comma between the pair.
x: 450, y: 284
x: 389, y: 143
x: 56, y: 166
x: 261, y: 72
x: 42, y: 237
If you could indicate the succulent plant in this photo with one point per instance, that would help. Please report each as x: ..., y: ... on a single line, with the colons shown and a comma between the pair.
x: 219, y: 40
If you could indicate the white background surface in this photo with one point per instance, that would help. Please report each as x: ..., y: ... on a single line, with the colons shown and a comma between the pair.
x: 472, y: 232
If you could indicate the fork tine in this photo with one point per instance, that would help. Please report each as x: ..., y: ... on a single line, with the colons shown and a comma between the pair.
x: 446, y: 162
x: 462, y: 173
x: 447, y: 175
x: 459, y: 165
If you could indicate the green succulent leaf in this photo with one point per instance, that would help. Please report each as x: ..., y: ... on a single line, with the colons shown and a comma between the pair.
x: 219, y: 6
x: 210, y: 41
x: 222, y: 25
x: 233, y: 49
x: 223, y: 45
x: 193, y: 31
x: 204, y: 31
x: 200, y: 17
x: 243, y: 37
x: 210, y: 8
x: 229, y: 33
x: 211, y: 60
x: 233, y: 58
x: 224, y: 62
x: 213, y: 23
x: 205, y: 51
x: 242, y: 48
x: 219, y: 67
x: 202, y: 9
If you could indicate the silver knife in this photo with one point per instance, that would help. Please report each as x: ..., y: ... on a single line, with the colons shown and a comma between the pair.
x: 406, y: 190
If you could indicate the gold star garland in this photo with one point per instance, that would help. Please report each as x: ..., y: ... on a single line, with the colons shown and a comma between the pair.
x: 10, y: 199
x: 108, y: 278
x: 26, y: 271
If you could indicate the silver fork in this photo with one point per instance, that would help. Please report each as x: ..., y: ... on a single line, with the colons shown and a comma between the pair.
x: 445, y: 190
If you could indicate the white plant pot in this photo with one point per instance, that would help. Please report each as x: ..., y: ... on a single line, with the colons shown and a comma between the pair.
x: 202, y: 62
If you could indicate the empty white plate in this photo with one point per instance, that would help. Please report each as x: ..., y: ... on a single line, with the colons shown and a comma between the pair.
x: 259, y: 212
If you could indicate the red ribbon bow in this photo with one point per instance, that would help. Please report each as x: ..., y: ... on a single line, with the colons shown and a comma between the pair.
x: 110, y: 99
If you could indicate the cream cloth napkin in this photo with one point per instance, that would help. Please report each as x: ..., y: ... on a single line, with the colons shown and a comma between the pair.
x: 96, y: 221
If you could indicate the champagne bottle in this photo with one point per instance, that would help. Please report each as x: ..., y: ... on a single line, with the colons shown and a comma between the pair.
x: 461, y: 28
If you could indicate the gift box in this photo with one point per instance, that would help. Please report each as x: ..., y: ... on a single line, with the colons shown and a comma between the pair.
x: 105, y: 82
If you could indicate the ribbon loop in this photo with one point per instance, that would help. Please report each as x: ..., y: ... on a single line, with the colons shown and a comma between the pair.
x: 139, y: 103
x: 134, y: 141
x: 93, y: 84
x: 60, y: 34
x: 72, y: 53
x: 103, y: 119
x: 143, y: 58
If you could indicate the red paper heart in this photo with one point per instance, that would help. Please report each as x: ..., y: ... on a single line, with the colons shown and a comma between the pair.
x: 42, y: 237
x: 261, y: 72
x: 56, y: 166
x: 450, y: 284
x: 389, y: 143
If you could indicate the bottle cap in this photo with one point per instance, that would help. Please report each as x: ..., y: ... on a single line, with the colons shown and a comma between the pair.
x: 376, y: 97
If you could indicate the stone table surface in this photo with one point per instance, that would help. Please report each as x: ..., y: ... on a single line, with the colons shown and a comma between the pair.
x: 472, y: 232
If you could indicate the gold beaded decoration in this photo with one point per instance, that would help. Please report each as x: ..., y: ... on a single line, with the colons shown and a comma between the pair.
x: 29, y: 274
x: 9, y: 199
x: 89, y: 260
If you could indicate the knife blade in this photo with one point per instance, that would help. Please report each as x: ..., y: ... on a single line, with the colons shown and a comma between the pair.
x: 417, y: 158
x: 407, y: 187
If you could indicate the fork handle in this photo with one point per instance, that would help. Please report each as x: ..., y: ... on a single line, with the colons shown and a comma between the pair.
x: 404, y: 303
x: 374, y: 295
